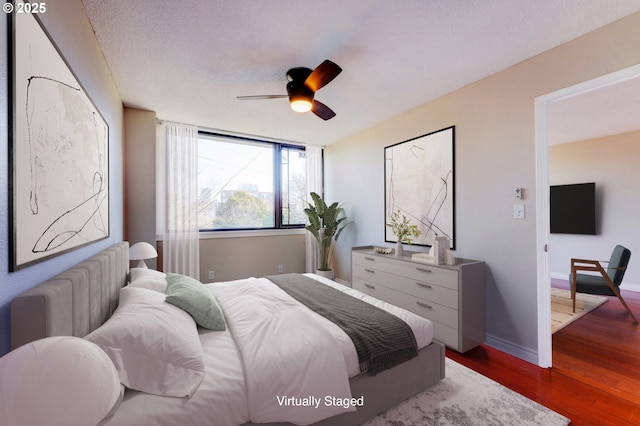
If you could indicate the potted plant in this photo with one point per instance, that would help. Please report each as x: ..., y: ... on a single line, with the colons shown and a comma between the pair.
x: 403, y: 230
x: 326, y: 223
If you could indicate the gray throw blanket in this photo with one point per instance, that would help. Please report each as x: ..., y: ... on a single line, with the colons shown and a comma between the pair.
x: 382, y: 340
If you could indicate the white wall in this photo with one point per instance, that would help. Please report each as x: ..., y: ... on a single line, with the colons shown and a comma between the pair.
x: 494, y: 154
x: 69, y: 27
x: 612, y: 163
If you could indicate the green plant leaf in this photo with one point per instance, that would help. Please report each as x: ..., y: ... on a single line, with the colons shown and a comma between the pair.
x: 326, y: 223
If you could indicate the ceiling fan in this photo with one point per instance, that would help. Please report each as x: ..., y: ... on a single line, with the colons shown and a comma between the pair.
x: 302, y: 86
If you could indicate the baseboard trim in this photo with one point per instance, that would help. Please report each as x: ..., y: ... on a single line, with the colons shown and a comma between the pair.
x: 630, y: 287
x: 526, y: 354
x: 343, y: 282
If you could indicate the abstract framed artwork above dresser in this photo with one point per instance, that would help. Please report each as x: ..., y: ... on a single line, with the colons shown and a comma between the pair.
x: 451, y: 296
x: 420, y: 183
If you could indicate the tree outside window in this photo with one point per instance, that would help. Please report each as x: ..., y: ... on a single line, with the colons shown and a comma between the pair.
x: 250, y: 184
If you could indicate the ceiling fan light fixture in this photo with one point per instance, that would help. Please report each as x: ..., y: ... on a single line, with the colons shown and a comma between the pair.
x: 302, y: 86
x: 301, y: 104
x: 300, y: 96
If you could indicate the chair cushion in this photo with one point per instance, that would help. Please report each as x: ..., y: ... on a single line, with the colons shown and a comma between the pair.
x: 591, y: 284
x: 619, y: 259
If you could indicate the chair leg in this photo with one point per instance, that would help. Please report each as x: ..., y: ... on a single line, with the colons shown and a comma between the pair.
x: 573, y: 288
x: 617, y: 293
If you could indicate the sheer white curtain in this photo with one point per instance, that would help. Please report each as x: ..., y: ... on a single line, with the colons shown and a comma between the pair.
x: 178, y: 198
x: 313, y: 156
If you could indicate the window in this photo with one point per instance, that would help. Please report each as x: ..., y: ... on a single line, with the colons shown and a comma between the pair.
x: 246, y: 183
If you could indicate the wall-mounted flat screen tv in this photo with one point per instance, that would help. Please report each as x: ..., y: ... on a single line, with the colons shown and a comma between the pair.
x: 573, y: 208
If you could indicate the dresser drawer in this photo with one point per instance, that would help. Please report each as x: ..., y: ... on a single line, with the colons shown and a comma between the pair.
x: 417, y: 271
x: 451, y: 296
x: 424, y: 290
x: 431, y: 274
x: 425, y: 308
x: 365, y: 259
x: 372, y: 274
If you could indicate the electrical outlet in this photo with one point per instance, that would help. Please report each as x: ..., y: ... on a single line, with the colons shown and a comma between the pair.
x: 212, y: 275
x: 280, y: 269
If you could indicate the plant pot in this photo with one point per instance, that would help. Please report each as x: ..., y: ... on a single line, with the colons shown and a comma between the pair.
x: 326, y: 274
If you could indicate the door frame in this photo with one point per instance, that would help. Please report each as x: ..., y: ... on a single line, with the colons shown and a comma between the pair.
x: 542, y: 104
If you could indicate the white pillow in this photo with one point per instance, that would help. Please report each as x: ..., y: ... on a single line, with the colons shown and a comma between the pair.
x: 148, y: 278
x: 153, y: 344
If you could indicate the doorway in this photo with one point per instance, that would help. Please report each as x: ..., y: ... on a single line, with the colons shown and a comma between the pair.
x: 544, y: 106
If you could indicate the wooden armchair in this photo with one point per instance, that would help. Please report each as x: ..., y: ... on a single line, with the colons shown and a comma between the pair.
x: 607, y: 283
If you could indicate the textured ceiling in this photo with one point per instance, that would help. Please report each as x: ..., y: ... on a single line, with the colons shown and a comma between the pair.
x: 188, y: 60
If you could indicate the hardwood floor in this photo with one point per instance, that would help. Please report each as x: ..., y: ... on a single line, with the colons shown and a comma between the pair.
x: 595, y: 378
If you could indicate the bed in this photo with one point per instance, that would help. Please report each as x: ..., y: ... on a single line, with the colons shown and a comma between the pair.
x: 88, y: 299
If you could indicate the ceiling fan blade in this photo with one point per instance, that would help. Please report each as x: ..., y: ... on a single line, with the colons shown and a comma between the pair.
x: 322, y: 111
x: 322, y: 75
x: 249, y: 98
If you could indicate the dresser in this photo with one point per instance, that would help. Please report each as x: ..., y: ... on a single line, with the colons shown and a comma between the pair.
x: 451, y: 296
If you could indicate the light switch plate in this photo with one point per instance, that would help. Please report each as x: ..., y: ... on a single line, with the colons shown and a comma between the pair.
x: 518, y: 211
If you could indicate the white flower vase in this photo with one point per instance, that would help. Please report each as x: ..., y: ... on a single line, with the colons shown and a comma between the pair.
x: 399, y: 249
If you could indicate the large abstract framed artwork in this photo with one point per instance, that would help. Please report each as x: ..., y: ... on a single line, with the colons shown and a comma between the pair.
x: 59, y: 151
x: 419, y: 182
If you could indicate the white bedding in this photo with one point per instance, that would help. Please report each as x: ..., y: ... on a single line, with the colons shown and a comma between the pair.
x: 220, y: 399
x: 288, y: 353
x: 222, y: 396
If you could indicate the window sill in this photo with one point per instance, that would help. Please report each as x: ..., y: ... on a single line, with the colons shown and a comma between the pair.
x: 252, y: 233
x: 207, y: 235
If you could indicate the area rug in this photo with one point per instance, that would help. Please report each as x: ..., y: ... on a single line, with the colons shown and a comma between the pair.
x: 466, y: 398
x: 562, y: 310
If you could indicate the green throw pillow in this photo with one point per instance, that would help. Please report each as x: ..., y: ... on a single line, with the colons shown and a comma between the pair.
x: 193, y: 297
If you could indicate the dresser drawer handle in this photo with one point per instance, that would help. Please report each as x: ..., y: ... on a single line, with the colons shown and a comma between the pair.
x: 372, y: 259
x: 423, y: 285
x: 424, y: 305
x: 369, y: 286
x: 371, y: 271
x: 424, y: 270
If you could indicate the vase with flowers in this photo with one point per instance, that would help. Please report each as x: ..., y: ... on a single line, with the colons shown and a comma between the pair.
x: 403, y: 229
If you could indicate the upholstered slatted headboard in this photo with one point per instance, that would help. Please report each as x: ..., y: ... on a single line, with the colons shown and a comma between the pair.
x: 74, y: 302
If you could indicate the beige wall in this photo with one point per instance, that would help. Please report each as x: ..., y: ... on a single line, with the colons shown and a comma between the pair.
x: 140, y: 177
x: 612, y: 163
x: 235, y: 258
x: 494, y: 154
